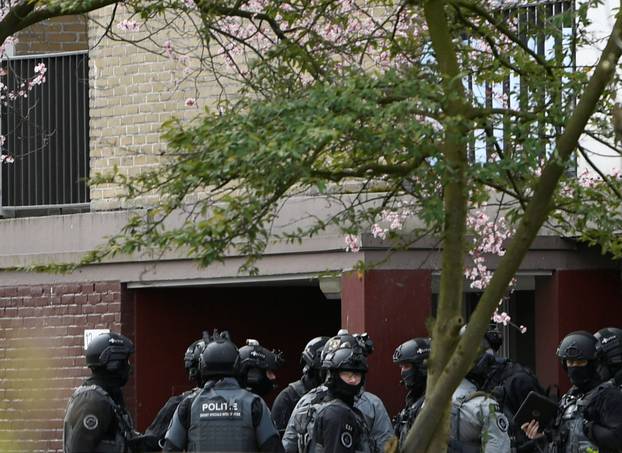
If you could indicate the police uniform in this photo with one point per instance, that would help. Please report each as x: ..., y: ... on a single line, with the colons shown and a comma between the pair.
x: 222, y: 417
x: 406, y: 418
x: 95, y: 422
x: 311, y: 377
x: 589, y: 422
x: 377, y: 418
x: 477, y: 423
x: 285, y: 403
x: 510, y: 383
x: 330, y: 425
x: 158, y: 427
x: 369, y: 405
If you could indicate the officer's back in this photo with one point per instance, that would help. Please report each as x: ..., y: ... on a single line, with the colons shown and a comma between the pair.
x: 223, y: 416
x: 477, y: 423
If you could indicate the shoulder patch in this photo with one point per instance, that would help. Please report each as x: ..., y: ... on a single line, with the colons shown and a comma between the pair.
x: 502, y: 422
x: 90, y: 422
x: 346, y: 439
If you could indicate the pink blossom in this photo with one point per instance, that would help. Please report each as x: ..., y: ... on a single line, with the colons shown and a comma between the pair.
x: 522, y: 329
x: 588, y: 180
x: 501, y: 318
x: 168, y: 48
x: 3, y: 72
x: 394, y: 220
x: 190, y: 102
x: 6, y: 158
x: 488, y: 239
x: 2, y: 139
x: 40, y: 70
x: 353, y: 243
x: 128, y: 25
x: 378, y: 232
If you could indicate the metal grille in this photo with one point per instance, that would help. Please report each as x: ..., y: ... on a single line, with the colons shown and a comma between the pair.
x: 47, y: 134
x: 560, y: 46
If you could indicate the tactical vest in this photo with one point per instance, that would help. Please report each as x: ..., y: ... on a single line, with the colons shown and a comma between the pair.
x: 124, y: 431
x: 161, y: 422
x: 571, y: 438
x: 405, y: 419
x: 305, y: 422
x: 221, y: 420
x: 456, y: 442
x: 299, y: 388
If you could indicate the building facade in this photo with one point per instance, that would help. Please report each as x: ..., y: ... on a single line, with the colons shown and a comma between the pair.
x: 164, y: 302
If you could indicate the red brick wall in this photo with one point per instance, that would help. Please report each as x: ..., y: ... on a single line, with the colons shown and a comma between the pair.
x: 42, y: 355
x: 59, y: 34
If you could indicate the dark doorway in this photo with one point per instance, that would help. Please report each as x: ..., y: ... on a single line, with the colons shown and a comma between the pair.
x: 517, y: 346
x: 167, y: 320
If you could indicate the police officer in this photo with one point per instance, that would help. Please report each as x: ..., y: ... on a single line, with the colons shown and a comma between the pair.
x: 223, y: 416
x: 376, y: 416
x: 411, y: 356
x: 507, y: 381
x: 160, y: 423
x: 331, y: 423
x: 610, y: 339
x: 96, y: 418
x: 477, y: 421
x: 590, y: 414
x: 258, y: 367
x: 311, y: 377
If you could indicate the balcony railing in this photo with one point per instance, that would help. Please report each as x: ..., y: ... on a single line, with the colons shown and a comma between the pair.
x: 47, y: 135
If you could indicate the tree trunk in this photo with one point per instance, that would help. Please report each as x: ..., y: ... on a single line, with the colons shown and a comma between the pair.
x: 430, y: 429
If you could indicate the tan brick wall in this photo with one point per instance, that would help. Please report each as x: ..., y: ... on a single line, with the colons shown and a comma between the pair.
x: 59, y: 34
x: 132, y: 92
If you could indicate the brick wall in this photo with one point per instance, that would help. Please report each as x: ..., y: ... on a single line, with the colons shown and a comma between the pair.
x: 42, y: 355
x: 59, y: 34
x: 132, y: 92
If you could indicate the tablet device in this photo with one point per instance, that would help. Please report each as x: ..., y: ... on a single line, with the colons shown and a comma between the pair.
x: 536, y: 407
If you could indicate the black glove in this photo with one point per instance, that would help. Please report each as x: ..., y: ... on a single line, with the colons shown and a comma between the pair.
x: 144, y: 443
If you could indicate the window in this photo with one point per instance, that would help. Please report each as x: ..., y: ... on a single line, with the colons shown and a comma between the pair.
x: 47, y: 134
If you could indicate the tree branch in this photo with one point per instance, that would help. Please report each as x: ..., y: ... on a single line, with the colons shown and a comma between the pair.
x: 24, y: 14
x: 537, y: 212
x: 422, y: 437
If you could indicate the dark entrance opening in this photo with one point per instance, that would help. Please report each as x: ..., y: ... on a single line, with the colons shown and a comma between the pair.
x: 168, y: 320
x: 517, y: 346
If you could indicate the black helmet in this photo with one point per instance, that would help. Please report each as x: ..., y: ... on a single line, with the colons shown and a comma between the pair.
x: 219, y: 358
x: 610, y: 339
x: 494, y: 338
x: 344, y: 352
x: 192, y: 358
x: 108, y: 351
x: 312, y: 354
x: 413, y: 351
x: 253, y: 355
x: 579, y: 345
